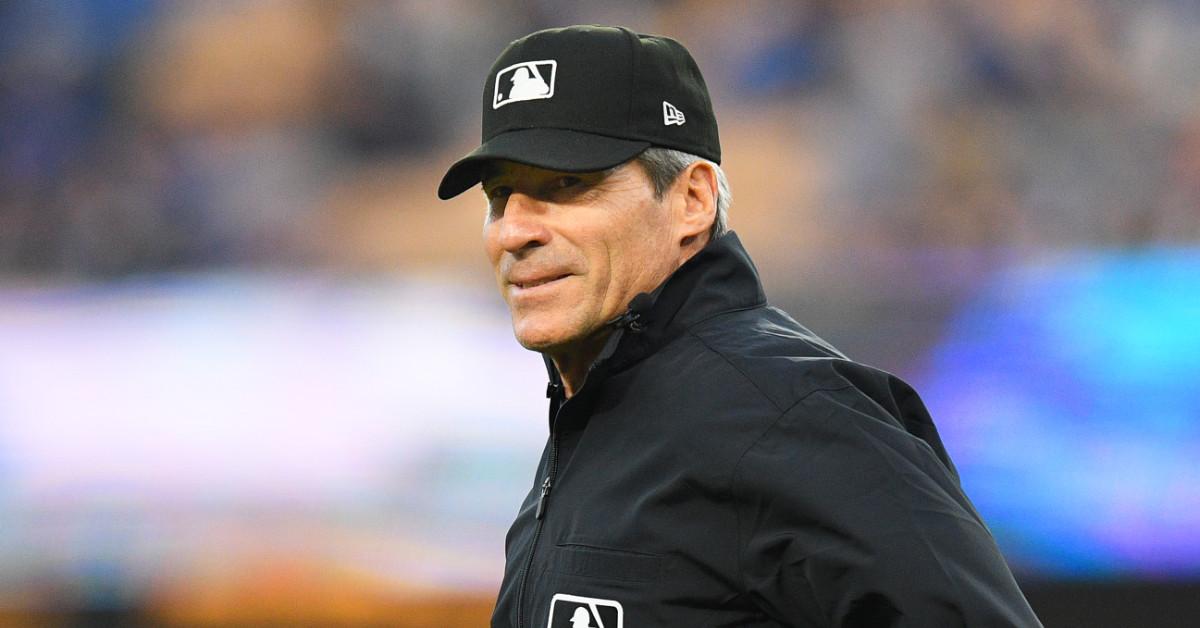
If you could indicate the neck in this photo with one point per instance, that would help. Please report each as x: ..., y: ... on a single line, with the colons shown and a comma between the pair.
x: 573, y: 363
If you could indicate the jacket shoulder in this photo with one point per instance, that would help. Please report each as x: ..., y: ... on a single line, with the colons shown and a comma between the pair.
x: 787, y: 361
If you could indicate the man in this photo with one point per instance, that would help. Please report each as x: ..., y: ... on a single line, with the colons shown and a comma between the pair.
x: 710, y: 462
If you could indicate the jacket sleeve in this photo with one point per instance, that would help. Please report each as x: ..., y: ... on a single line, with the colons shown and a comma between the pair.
x: 846, y: 518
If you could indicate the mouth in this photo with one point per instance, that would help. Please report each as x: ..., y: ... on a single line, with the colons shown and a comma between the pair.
x: 538, y: 282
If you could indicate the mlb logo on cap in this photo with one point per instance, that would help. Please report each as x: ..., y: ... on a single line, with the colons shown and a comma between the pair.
x: 573, y: 611
x: 530, y: 80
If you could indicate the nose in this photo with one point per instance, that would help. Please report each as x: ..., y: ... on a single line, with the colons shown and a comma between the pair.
x: 522, y: 225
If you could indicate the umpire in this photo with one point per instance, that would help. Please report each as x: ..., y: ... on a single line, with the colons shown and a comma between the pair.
x: 710, y: 462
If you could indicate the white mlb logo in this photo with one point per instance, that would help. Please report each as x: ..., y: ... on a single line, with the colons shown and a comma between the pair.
x: 574, y: 611
x: 529, y: 80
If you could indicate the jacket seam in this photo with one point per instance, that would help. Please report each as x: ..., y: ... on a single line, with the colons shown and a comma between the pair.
x: 908, y: 513
x: 737, y: 513
x: 735, y: 367
x: 754, y: 306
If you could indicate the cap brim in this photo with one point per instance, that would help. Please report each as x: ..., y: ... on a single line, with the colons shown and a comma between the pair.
x: 553, y: 149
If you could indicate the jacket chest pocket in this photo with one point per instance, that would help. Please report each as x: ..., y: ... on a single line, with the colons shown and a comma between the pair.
x: 599, y: 563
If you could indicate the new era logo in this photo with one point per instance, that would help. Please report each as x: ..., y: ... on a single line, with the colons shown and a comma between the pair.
x: 529, y: 80
x: 573, y: 611
x: 672, y: 114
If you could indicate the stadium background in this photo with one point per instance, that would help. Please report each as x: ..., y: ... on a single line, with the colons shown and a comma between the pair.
x: 252, y: 371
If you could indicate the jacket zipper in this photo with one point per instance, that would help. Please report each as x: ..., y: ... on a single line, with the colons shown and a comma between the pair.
x: 539, y: 515
x: 630, y: 320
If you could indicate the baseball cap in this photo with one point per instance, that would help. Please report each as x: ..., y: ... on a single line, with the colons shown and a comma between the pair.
x: 587, y: 98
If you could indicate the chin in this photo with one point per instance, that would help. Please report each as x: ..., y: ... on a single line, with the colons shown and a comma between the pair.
x: 537, y: 345
x: 545, y: 334
x: 540, y: 338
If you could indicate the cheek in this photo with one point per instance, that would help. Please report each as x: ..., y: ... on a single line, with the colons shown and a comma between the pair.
x: 648, y: 241
x: 489, y: 238
x: 619, y: 273
x: 491, y: 248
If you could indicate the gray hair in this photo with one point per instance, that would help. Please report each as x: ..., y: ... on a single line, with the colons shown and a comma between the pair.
x: 663, y: 166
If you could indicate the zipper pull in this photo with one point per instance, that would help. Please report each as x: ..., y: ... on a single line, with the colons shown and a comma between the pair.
x: 629, y: 320
x: 541, y: 507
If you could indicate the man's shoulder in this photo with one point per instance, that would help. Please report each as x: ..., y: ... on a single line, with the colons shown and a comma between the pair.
x: 783, y: 359
x: 798, y: 371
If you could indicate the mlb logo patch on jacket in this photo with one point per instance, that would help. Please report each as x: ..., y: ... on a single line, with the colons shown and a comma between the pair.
x: 574, y: 611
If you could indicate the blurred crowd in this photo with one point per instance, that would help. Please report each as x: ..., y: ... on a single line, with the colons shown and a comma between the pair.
x: 146, y: 136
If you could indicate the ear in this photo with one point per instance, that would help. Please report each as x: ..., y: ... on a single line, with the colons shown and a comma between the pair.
x: 694, y: 202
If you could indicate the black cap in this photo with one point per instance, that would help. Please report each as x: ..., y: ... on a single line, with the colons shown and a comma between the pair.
x: 587, y: 98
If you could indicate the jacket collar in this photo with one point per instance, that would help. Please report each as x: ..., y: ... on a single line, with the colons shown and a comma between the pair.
x: 720, y: 278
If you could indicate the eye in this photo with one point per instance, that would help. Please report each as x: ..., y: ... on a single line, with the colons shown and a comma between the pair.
x: 499, y: 191
x: 565, y: 187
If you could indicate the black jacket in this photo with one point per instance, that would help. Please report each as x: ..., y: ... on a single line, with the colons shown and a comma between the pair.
x: 723, y: 466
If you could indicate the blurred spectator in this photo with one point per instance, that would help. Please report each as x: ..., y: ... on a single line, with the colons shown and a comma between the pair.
x: 145, y: 136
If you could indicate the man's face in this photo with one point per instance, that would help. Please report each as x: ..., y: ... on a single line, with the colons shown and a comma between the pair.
x: 571, y: 250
